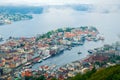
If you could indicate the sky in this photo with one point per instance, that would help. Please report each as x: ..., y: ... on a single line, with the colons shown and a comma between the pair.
x: 57, y: 2
x: 100, y: 5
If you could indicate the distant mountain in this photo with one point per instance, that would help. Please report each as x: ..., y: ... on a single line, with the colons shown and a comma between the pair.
x: 21, y: 9
x: 83, y: 7
x: 77, y: 7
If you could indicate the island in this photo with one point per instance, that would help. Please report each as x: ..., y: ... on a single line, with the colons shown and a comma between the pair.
x: 10, y: 14
x: 6, y: 18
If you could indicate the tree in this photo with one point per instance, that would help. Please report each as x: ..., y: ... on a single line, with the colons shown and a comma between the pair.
x: 41, y: 78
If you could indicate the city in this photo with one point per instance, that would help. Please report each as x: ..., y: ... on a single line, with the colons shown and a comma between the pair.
x: 59, y: 40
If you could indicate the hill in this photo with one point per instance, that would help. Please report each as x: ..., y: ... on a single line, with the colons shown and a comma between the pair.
x: 110, y: 73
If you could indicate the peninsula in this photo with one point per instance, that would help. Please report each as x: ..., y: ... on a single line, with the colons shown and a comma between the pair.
x: 6, y: 18
x: 19, y: 54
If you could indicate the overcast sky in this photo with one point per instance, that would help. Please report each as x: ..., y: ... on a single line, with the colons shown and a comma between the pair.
x: 56, y: 2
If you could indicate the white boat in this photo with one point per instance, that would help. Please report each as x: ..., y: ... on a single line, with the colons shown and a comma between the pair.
x: 28, y: 63
x: 40, y: 60
x: 46, y: 57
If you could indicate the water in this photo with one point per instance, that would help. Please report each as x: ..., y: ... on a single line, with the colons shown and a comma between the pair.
x: 70, y: 56
x: 107, y: 24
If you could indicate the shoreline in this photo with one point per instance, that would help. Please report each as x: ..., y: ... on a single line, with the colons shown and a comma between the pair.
x: 52, y: 43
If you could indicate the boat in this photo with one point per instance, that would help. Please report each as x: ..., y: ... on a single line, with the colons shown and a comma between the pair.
x: 101, y: 38
x: 90, y: 51
x: 28, y: 63
x: 1, y: 38
x: 29, y: 66
x: 46, y: 57
x: 40, y: 60
x: 79, y: 52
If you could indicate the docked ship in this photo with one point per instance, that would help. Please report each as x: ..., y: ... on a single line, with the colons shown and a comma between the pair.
x: 40, y: 60
x: 46, y: 57
x: 1, y: 38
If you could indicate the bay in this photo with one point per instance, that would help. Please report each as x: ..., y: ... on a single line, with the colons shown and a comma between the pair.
x: 107, y: 23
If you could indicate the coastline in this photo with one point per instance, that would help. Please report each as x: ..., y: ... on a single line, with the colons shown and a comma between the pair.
x: 51, y: 43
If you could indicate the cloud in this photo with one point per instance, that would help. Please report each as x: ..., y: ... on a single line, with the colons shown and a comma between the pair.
x: 110, y: 8
x: 56, y: 2
x: 94, y: 6
x: 87, y: 8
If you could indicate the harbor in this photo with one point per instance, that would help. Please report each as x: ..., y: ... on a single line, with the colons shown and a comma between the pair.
x: 23, y: 52
x: 48, y: 54
x: 65, y: 57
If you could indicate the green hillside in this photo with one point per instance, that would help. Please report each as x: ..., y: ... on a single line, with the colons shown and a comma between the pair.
x: 110, y: 73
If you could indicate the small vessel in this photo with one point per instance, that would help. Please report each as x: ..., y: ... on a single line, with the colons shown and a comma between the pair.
x: 101, y: 38
x: 28, y: 63
x: 79, y: 52
x: 40, y: 60
x: 1, y: 38
x: 90, y: 51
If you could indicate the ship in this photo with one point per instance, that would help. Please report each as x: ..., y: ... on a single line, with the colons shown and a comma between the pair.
x: 79, y: 52
x: 40, y: 60
x: 1, y: 38
x: 91, y: 51
x: 46, y: 57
